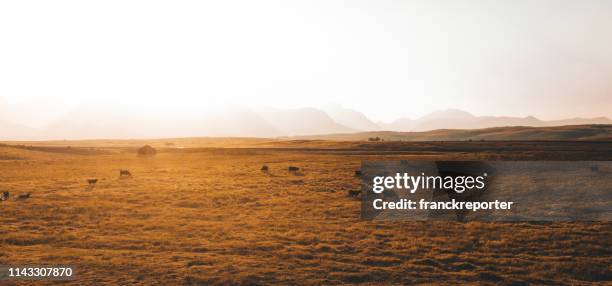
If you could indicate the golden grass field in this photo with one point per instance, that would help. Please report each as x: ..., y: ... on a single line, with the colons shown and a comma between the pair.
x: 209, y: 216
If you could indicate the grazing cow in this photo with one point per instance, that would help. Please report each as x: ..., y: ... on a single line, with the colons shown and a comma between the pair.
x: 293, y: 169
x: 264, y: 168
x: 92, y: 182
x: 358, y: 173
x: 354, y: 193
x: 23, y: 196
x: 4, y: 196
x: 125, y: 173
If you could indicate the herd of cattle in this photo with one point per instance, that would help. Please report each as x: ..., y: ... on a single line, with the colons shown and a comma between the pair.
x: 265, y: 168
x: 4, y: 196
x: 293, y: 169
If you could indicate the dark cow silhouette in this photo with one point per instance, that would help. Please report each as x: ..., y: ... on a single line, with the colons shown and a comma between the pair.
x: 358, y: 173
x: 124, y: 173
x: 92, y: 182
x: 264, y: 168
x: 4, y: 196
x: 23, y: 196
x: 354, y: 193
x: 293, y: 169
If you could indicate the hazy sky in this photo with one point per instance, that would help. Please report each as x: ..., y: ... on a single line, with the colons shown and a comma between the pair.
x: 550, y: 59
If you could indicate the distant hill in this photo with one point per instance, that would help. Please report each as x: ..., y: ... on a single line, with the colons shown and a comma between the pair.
x: 99, y: 122
x: 10, y: 130
x: 350, y: 118
x: 302, y: 121
x: 96, y: 122
x: 458, y: 119
x: 575, y: 132
x: 8, y: 127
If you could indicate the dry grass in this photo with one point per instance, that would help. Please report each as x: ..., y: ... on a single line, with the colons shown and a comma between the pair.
x: 212, y: 217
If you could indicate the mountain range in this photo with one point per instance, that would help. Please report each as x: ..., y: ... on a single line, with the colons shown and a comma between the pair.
x: 458, y: 119
x: 95, y: 121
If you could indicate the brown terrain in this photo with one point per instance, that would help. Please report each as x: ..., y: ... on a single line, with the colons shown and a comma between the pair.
x: 201, y: 212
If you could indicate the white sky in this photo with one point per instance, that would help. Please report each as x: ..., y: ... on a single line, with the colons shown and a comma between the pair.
x: 388, y: 59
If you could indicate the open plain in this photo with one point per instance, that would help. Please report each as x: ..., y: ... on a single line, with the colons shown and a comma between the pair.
x: 201, y: 212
